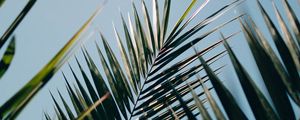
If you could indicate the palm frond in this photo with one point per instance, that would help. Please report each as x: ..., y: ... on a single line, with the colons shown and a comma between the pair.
x: 149, y: 83
x: 8, y: 56
x: 258, y: 103
x: 153, y: 77
x: 16, y: 22
x: 15, y: 104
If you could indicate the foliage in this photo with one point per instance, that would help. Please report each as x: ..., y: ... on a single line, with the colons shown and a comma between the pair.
x: 152, y: 79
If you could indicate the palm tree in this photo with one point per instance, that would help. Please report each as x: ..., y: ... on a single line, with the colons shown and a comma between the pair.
x: 151, y: 77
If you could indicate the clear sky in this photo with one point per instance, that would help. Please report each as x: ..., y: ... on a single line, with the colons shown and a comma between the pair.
x: 51, y: 23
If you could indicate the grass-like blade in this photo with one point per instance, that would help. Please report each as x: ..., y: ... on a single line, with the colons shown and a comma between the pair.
x: 92, y: 107
x: 183, y: 16
x: 286, y: 56
x: 294, y: 22
x: 292, y: 46
x: 165, y: 20
x: 66, y: 106
x: 115, y: 66
x: 199, y: 104
x: 231, y: 107
x: 132, y: 52
x: 270, y: 75
x: 150, y: 34
x: 216, y: 109
x: 96, y: 113
x: 15, y: 104
x: 142, y: 42
x: 63, y: 117
x: 8, y: 56
x: 132, y: 77
x: 156, y: 23
x: 47, y: 117
x: 102, y: 88
x: 182, y: 103
x: 16, y: 22
x: 258, y: 103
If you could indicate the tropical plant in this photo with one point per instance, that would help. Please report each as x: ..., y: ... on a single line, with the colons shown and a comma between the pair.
x: 151, y: 78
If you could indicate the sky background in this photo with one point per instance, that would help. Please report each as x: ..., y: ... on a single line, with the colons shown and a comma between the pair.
x: 51, y: 23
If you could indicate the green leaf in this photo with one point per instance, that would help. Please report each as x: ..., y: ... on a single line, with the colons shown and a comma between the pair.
x: 270, y: 75
x: 137, y: 46
x: 92, y: 107
x: 66, y: 106
x: 165, y: 55
x: 258, y: 103
x: 171, y: 40
x: 102, y: 88
x: 16, y: 22
x: 231, y: 107
x: 132, y: 77
x: 75, y: 101
x: 142, y: 42
x: 116, y: 68
x: 165, y: 20
x: 62, y: 115
x: 15, y: 104
x: 186, y: 74
x: 294, y: 22
x: 216, y: 109
x: 47, y: 116
x: 286, y: 56
x: 188, y: 21
x: 8, y: 56
x: 159, y: 99
x: 292, y: 46
x: 132, y: 52
x: 156, y: 23
x: 199, y: 104
x: 95, y: 114
x: 82, y: 101
x: 183, y: 16
x: 177, y: 107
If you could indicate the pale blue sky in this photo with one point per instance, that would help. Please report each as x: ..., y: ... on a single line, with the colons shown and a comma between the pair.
x: 51, y: 23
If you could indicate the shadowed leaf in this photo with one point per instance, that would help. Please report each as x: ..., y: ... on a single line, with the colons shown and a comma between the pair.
x: 270, y: 75
x: 258, y: 103
x: 231, y: 107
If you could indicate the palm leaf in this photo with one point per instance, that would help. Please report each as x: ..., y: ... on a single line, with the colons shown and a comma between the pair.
x: 91, y: 108
x: 258, y: 103
x: 294, y: 22
x: 199, y: 104
x: 270, y: 75
x: 15, y: 104
x: 291, y: 65
x: 150, y: 82
x: 230, y: 105
x: 7, y: 57
x: 16, y: 22
x: 216, y: 109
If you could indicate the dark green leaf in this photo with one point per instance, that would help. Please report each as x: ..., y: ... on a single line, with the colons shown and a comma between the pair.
x: 16, y: 22
x: 231, y: 107
x: 8, y: 56
x: 258, y: 103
